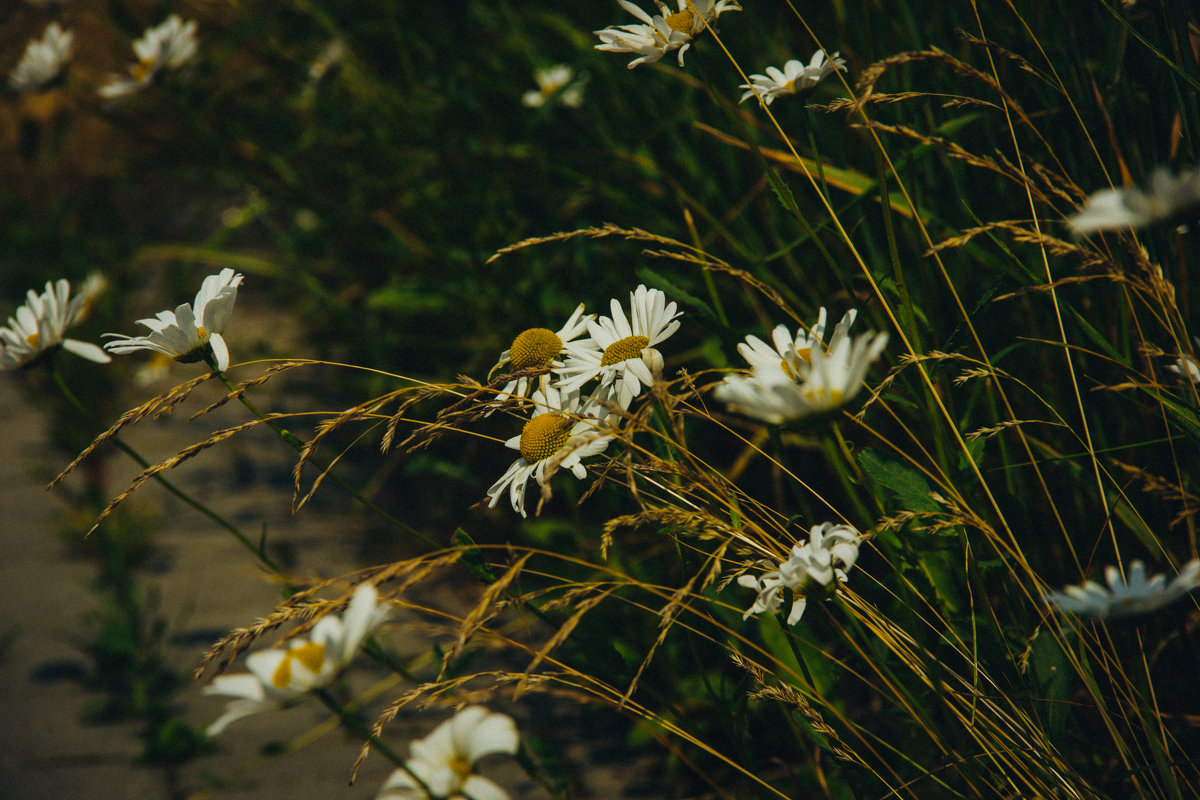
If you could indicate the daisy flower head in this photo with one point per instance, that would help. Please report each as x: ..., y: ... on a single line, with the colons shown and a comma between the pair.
x: 814, y: 568
x: 560, y: 434
x: 190, y: 332
x: 43, y: 60
x: 664, y: 32
x: 168, y: 45
x: 1167, y: 197
x: 794, y: 78
x: 809, y: 377
x: 1186, y: 366
x: 621, y: 349
x: 554, y: 83
x: 1125, y: 596
x: 539, y: 348
x: 442, y: 762
x: 280, y: 676
x: 38, y: 328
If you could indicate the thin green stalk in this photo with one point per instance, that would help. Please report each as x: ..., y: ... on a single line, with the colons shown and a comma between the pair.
x: 362, y: 730
x: 120, y: 444
x: 300, y: 447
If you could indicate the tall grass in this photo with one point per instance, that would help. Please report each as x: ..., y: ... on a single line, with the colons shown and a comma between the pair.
x: 1022, y: 431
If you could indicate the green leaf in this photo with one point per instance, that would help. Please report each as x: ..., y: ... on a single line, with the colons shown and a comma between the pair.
x: 472, y: 557
x: 907, y: 484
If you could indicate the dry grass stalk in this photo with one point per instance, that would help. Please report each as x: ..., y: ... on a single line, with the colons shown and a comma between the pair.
x: 250, y: 383
x: 564, y: 632
x: 156, y: 406
x: 606, y: 230
x: 490, y: 605
x: 779, y: 692
x: 301, y: 607
x: 666, y: 617
x: 1168, y: 491
x: 174, y: 461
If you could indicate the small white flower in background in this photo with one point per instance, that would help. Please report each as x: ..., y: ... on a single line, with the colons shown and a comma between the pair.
x: 281, y: 675
x: 39, y: 327
x: 1125, y: 596
x: 1186, y: 366
x: 808, y: 377
x: 1167, y: 197
x: 190, y: 332
x: 558, y: 436
x: 536, y: 348
x: 814, y: 568
x: 326, y: 64
x: 43, y: 60
x: 443, y: 760
x: 621, y: 350
x: 169, y: 45
x: 554, y: 83
x: 664, y: 32
x: 795, y: 77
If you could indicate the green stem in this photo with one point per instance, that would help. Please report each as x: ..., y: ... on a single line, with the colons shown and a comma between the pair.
x: 78, y: 405
x: 362, y: 730
x: 300, y: 446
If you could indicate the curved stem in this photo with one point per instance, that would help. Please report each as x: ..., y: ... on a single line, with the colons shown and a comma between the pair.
x: 301, y: 446
x: 362, y: 730
x: 120, y: 444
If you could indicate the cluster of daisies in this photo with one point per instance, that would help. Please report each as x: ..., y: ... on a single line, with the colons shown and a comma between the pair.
x: 167, y: 46
x: 579, y: 385
x: 440, y: 766
x: 672, y: 31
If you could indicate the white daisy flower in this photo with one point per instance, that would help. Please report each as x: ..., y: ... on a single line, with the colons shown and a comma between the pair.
x: 664, y: 32
x: 443, y: 760
x: 1167, y: 197
x: 169, y: 45
x: 538, y: 348
x: 190, y: 332
x: 814, y: 568
x: 1186, y: 366
x: 791, y: 354
x: 43, y: 60
x: 554, y: 83
x: 795, y: 77
x: 281, y: 675
x: 1125, y: 596
x: 621, y: 351
x: 809, y: 377
x: 38, y: 328
x: 560, y: 435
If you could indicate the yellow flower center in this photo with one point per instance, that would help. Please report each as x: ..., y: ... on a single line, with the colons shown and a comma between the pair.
x: 140, y: 70
x: 825, y: 397
x: 203, y: 334
x: 33, y: 339
x: 461, y: 767
x: 311, y: 655
x: 623, y: 350
x: 682, y: 21
x: 802, y: 353
x: 543, y: 436
x: 536, y: 347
